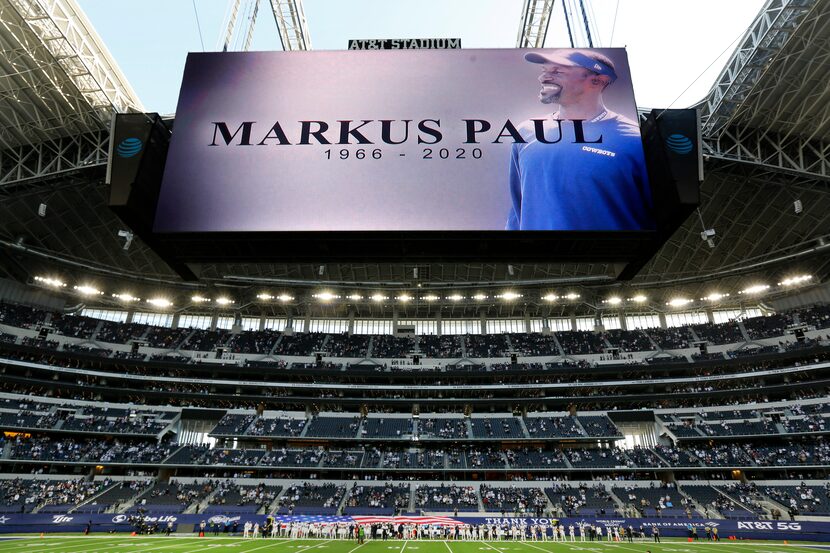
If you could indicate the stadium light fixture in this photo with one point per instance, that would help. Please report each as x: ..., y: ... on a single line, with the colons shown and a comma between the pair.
x: 430, y: 297
x: 792, y: 281
x: 285, y: 297
x: 223, y: 300
x: 379, y: 298
x: 403, y: 298
x: 160, y: 302
x: 264, y: 297
x: 87, y: 290
x: 455, y: 297
x: 509, y: 296
x: 354, y: 297
x: 679, y: 302
x: 480, y: 297
x: 715, y: 296
x: 755, y: 289
x: 572, y: 296
x: 639, y: 298
x: 50, y: 282
x: 327, y: 296
x: 126, y: 297
x: 613, y: 300
x: 199, y: 299
x: 550, y: 297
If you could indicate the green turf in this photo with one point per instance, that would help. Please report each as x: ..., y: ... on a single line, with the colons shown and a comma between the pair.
x: 177, y: 544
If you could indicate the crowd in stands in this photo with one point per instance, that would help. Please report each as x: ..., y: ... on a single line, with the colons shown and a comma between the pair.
x: 381, y: 500
x: 478, y: 345
x: 232, y: 497
x: 671, y: 338
x: 440, y: 347
x: 68, y: 449
x: 714, y: 501
x: 533, y: 344
x: 581, y: 342
x: 513, y: 500
x: 581, y: 501
x: 233, y: 424
x: 758, y: 328
x: 449, y: 429
x: 629, y: 340
x: 120, y: 333
x: 802, y: 499
x: 280, y: 426
x: 87, y: 350
x: 817, y: 316
x: 205, y: 340
x: 54, y: 496
x: 309, y: 498
x: 172, y: 497
x: 165, y: 338
x: 388, y: 346
x: 302, y: 344
x: 345, y: 345
x: 21, y: 316
x: 663, y: 501
x: 446, y: 498
x: 721, y: 333
x: 76, y: 327
x: 253, y: 341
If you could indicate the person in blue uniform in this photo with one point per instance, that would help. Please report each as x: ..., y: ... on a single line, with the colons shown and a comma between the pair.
x: 582, y: 167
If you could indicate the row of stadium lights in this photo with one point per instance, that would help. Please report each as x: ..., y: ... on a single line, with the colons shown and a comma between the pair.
x: 328, y: 296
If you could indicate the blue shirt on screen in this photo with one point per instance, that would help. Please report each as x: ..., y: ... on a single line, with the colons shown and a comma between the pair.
x: 580, y: 186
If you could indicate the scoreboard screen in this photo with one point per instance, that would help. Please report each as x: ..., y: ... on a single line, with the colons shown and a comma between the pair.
x: 406, y: 141
x: 514, y: 155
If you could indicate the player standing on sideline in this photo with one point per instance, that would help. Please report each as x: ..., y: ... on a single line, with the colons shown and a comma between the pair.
x: 246, y: 529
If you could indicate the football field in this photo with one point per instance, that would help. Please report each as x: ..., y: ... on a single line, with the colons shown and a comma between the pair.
x: 175, y: 544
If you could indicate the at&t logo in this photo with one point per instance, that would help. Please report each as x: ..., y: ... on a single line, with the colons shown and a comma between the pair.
x: 129, y: 147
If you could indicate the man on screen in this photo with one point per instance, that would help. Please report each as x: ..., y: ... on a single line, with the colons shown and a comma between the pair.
x: 581, y: 168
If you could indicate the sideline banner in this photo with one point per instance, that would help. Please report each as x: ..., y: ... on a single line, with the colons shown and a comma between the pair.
x: 672, y: 527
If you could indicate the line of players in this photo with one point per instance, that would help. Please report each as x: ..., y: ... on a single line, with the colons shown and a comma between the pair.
x: 463, y: 532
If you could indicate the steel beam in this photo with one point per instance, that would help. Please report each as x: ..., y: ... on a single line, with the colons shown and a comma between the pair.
x: 788, y: 153
x: 769, y: 32
x: 47, y: 159
x: 291, y: 24
x: 536, y: 16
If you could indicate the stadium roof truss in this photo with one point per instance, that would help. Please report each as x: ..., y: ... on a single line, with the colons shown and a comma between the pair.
x: 536, y: 16
x: 291, y: 24
x: 58, y: 89
x: 770, y: 106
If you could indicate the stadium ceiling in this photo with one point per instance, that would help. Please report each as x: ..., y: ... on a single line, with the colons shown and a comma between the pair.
x: 767, y: 144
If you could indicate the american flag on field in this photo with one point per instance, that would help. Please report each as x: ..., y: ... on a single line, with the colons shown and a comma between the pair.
x: 335, y: 519
x: 441, y: 521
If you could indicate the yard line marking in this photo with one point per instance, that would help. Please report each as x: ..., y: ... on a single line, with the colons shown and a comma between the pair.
x: 537, y: 547
x: 491, y: 547
x: 403, y: 546
x: 67, y: 543
x: 306, y: 548
x: 629, y: 548
x: 358, y: 547
x: 448, y: 546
